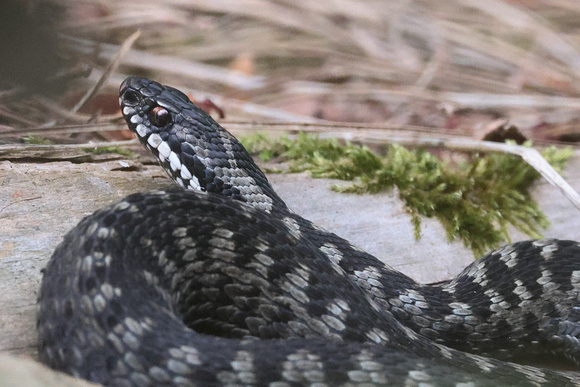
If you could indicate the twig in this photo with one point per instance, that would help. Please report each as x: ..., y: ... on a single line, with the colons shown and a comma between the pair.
x: 112, y: 67
x: 67, y: 129
x: 174, y: 65
x: 57, y: 147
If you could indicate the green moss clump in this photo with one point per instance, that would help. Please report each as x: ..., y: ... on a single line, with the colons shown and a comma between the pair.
x: 475, y: 201
x: 36, y: 140
x: 111, y: 149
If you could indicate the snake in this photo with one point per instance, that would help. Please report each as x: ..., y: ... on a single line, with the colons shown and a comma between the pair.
x: 215, y: 281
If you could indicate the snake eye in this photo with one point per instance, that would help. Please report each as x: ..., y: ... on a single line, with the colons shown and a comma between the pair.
x: 160, y: 116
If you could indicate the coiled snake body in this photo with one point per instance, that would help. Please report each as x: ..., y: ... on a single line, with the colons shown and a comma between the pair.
x: 220, y: 283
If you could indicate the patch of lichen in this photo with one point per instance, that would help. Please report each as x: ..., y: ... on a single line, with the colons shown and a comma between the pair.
x: 475, y: 200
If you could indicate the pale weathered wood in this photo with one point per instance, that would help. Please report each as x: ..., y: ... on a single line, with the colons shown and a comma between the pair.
x: 39, y: 203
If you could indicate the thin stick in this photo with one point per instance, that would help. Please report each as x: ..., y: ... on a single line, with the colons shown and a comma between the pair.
x: 59, y: 147
x: 113, y: 65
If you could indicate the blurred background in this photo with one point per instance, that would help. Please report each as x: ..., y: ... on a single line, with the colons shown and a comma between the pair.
x: 446, y: 68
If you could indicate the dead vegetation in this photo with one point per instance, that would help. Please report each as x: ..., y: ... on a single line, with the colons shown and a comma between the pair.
x: 448, y: 65
x: 413, y: 72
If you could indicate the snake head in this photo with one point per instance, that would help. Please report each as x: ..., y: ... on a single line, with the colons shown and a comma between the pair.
x: 195, y: 151
x: 154, y: 113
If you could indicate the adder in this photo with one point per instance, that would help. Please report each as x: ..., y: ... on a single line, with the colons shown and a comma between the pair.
x: 217, y: 282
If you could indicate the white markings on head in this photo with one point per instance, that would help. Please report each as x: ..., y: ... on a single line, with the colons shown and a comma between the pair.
x: 154, y: 140
x: 141, y: 130
x: 163, y: 149
x: 185, y: 174
x: 136, y: 119
x: 174, y: 161
x: 194, y: 184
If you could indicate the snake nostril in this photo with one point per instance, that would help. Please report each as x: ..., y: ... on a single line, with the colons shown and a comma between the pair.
x: 131, y: 98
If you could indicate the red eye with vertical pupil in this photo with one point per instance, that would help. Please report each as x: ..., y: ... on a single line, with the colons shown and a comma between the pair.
x: 160, y: 116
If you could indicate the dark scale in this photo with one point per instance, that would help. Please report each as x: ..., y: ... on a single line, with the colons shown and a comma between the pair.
x: 184, y: 288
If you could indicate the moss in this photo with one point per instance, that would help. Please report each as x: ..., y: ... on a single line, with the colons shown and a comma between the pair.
x: 36, y: 140
x: 110, y: 149
x: 475, y: 201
